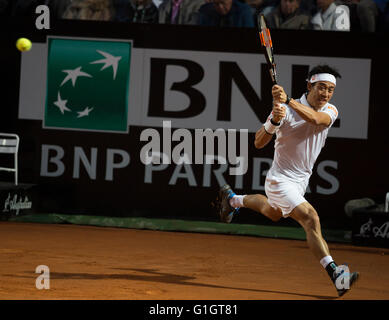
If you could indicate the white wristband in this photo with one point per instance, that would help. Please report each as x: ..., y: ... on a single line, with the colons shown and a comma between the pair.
x: 270, y: 128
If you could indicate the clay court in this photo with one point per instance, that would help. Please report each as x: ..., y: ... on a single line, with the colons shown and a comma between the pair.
x: 116, y: 263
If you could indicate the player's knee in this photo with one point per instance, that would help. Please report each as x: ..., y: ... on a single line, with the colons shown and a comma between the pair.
x: 312, y: 221
x: 308, y: 218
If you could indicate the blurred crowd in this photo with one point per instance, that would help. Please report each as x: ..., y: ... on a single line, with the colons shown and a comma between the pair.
x: 335, y: 15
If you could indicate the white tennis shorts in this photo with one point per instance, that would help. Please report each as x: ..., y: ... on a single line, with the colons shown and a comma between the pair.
x: 285, y: 194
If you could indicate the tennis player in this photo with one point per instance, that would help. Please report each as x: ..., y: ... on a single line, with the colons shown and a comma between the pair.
x: 301, y: 127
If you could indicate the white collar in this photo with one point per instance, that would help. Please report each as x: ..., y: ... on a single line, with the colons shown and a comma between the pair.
x: 304, y: 101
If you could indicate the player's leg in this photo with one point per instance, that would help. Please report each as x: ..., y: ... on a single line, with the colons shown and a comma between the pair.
x: 259, y: 203
x: 229, y: 204
x: 289, y: 197
x: 308, y: 218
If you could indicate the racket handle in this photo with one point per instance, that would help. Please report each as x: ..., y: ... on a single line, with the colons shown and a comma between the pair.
x: 273, y: 76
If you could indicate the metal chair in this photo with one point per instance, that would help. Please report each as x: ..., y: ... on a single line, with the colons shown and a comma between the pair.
x: 9, y: 143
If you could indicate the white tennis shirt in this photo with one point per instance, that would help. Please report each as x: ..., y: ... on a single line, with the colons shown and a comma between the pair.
x: 298, y: 144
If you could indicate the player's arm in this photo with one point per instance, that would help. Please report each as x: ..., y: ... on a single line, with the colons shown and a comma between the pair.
x: 265, y: 134
x: 262, y: 138
x: 308, y: 114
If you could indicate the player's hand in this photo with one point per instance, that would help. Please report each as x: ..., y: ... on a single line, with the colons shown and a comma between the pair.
x: 279, y: 112
x: 278, y: 93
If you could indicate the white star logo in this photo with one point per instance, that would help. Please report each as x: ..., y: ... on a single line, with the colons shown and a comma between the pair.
x: 84, y: 113
x: 61, y: 104
x: 73, y: 75
x: 109, y: 61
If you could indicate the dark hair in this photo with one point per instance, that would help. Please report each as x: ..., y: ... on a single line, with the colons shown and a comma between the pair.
x: 324, y: 69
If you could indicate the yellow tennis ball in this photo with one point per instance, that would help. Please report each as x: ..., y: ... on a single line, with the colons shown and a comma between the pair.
x: 23, y: 44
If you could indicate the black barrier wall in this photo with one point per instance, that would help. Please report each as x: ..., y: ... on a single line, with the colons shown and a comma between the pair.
x: 193, y: 78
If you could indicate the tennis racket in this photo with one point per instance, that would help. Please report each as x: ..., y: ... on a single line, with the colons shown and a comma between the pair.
x: 264, y: 35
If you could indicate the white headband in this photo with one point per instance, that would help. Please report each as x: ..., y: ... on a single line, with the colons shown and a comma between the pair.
x: 323, y: 77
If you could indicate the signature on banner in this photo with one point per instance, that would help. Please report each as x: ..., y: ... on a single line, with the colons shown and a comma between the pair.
x: 379, y: 231
x: 15, y: 204
x: 382, y: 231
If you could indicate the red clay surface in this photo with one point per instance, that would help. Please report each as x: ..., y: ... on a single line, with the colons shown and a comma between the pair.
x: 112, y: 263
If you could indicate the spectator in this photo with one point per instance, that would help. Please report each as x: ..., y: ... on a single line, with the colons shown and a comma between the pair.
x: 138, y: 11
x: 58, y: 7
x: 261, y: 6
x: 101, y: 10
x: 179, y: 11
x: 269, y: 6
x: 331, y: 16
x: 381, y: 4
x: 308, y: 6
x: 256, y: 5
x: 226, y: 13
x: 363, y: 15
x: 383, y: 15
x: 287, y: 15
x: 157, y: 3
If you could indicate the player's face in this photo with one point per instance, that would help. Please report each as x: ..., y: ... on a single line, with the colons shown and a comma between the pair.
x: 320, y: 93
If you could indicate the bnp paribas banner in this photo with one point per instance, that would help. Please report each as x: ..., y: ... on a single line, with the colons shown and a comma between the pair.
x: 109, y: 85
x: 87, y: 85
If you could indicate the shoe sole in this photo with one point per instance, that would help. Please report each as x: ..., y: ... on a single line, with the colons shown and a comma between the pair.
x: 353, y: 281
x: 227, y: 218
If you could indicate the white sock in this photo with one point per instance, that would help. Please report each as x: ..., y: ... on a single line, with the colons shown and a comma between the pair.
x: 237, y: 201
x: 325, y: 261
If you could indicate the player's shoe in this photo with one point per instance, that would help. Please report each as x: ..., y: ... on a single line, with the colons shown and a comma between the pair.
x: 353, y: 277
x: 225, y: 211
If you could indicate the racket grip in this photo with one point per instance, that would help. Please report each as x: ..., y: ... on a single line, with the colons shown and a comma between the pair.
x: 273, y: 76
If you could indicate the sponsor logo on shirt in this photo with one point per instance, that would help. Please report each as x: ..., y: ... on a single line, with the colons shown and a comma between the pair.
x: 333, y: 109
